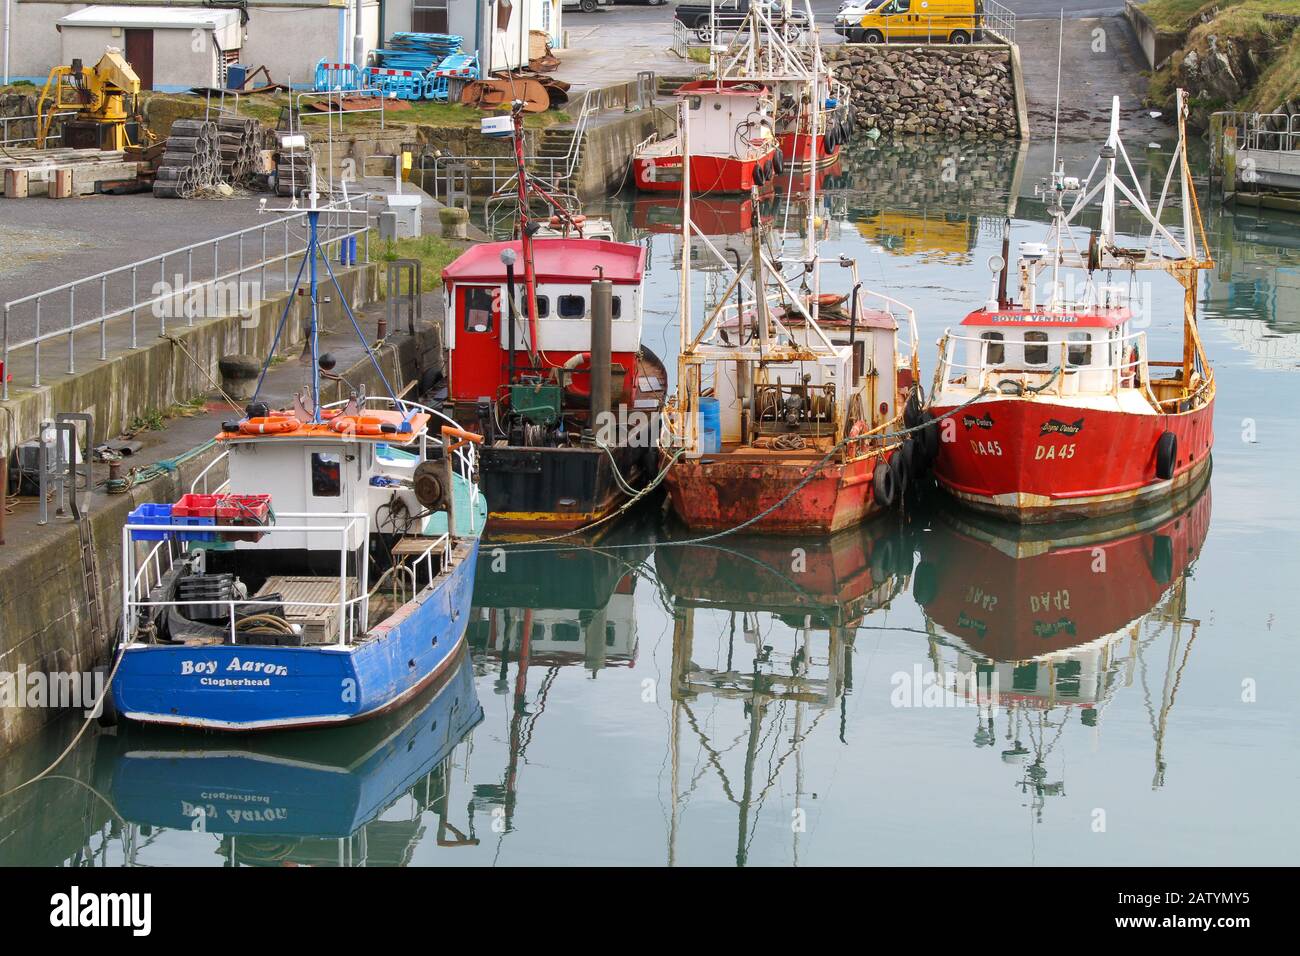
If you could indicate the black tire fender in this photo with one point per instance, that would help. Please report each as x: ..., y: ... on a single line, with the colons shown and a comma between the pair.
x: 1166, y: 455
x: 883, y: 487
x: 929, y: 437
x: 778, y: 162
x: 898, y: 465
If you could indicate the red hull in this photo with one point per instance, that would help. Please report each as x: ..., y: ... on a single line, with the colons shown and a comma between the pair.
x: 709, y: 174
x: 799, y: 149
x: 723, y: 491
x: 1034, y: 460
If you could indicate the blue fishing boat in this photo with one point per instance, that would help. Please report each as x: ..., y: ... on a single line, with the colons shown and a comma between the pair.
x: 328, y: 581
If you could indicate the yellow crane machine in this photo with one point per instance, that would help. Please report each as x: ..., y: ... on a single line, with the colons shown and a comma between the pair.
x: 99, y: 95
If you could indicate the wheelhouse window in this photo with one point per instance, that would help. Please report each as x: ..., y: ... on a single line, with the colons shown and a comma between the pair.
x: 1035, y: 347
x: 617, y: 308
x: 478, y: 310
x: 571, y: 307
x: 326, y: 481
x: 995, y: 353
x: 543, y: 306
x: 1078, y: 350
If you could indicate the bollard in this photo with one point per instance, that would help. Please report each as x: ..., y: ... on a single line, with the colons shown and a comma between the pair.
x: 455, y: 222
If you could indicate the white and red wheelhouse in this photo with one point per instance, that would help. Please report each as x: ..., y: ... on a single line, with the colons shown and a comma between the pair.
x: 729, y: 136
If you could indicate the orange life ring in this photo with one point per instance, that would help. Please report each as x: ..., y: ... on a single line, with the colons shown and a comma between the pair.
x: 359, y: 425
x: 269, y: 425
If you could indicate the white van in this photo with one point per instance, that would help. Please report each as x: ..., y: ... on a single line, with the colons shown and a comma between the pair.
x: 586, y: 6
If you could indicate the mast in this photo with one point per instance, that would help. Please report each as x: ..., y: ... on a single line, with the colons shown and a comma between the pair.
x: 525, y: 233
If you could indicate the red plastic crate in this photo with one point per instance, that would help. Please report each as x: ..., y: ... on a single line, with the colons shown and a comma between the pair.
x: 196, y: 506
x: 253, y: 510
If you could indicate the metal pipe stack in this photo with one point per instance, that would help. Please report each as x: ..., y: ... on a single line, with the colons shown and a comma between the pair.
x: 191, y: 160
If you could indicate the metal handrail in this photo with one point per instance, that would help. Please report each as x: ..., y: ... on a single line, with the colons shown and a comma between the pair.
x: 34, y: 119
x: 500, y: 170
x: 338, y: 223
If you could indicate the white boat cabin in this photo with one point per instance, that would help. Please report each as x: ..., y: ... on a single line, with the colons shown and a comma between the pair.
x: 1088, y: 351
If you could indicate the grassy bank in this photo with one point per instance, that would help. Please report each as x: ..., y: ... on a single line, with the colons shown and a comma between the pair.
x: 1236, y: 54
x: 434, y: 255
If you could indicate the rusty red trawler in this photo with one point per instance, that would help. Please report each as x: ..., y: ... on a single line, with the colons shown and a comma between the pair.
x: 1067, y: 414
x: 789, y: 401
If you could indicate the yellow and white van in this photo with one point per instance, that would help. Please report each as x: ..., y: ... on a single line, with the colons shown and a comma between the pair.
x: 921, y: 21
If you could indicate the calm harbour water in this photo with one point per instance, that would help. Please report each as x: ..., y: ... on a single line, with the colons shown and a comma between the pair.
x: 775, y: 702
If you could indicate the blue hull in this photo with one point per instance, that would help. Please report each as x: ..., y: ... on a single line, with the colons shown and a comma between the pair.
x: 246, y: 687
x: 329, y: 787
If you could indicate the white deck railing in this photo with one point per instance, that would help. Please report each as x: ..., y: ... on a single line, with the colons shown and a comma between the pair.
x: 139, y: 582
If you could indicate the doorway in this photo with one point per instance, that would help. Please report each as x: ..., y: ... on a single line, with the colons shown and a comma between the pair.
x: 139, y: 53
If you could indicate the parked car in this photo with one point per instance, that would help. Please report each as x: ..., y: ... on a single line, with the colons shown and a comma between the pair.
x: 849, y: 18
x: 934, y: 21
x: 587, y: 6
x: 729, y: 15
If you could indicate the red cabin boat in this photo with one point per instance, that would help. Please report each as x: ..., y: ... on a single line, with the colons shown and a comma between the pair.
x: 731, y: 148
x: 544, y: 346
x: 1061, y: 412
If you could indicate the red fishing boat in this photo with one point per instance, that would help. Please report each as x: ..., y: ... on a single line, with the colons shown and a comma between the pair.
x: 788, y: 400
x: 732, y: 148
x: 544, y: 350
x: 1061, y: 411
x: 812, y: 119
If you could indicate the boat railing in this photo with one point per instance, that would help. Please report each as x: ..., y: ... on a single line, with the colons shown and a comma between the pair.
x: 138, y: 583
x: 896, y: 307
x: 200, y: 484
x: 1131, y: 371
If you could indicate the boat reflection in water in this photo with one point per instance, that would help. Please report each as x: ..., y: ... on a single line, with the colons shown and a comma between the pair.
x: 777, y: 618
x: 350, y: 796
x: 1048, y: 625
x: 548, y: 608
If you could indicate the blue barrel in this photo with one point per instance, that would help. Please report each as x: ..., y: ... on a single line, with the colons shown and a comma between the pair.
x: 710, y: 426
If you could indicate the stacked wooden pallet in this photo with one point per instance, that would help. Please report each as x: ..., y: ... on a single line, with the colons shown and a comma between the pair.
x: 191, y: 162
x: 292, y: 166
x: 26, y: 171
x: 241, y: 141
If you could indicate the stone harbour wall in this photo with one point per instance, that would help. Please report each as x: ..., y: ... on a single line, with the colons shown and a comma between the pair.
x: 968, y: 92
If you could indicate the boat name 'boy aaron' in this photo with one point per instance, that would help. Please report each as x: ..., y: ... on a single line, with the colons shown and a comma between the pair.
x: 1068, y: 414
x: 328, y: 581
x: 562, y: 388
x: 789, y: 409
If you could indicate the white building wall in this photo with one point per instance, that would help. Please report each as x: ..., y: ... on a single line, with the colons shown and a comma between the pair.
x: 178, y: 61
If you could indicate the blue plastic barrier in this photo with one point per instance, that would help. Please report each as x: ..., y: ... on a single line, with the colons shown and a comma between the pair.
x: 459, y: 65
x: 403, y: 84
x: 337, y: 76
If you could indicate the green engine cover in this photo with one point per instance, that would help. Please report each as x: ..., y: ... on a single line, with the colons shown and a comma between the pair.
x: 539, y: 404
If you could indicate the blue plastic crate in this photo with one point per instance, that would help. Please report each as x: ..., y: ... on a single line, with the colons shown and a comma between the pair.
x: 196, y: 522
x: 159, y: 514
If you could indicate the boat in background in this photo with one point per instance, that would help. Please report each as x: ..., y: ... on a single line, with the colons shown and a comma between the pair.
x: 732, y: 147
x: 1064, y: 413
x: 811, y: 118
x: 328, y: 581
